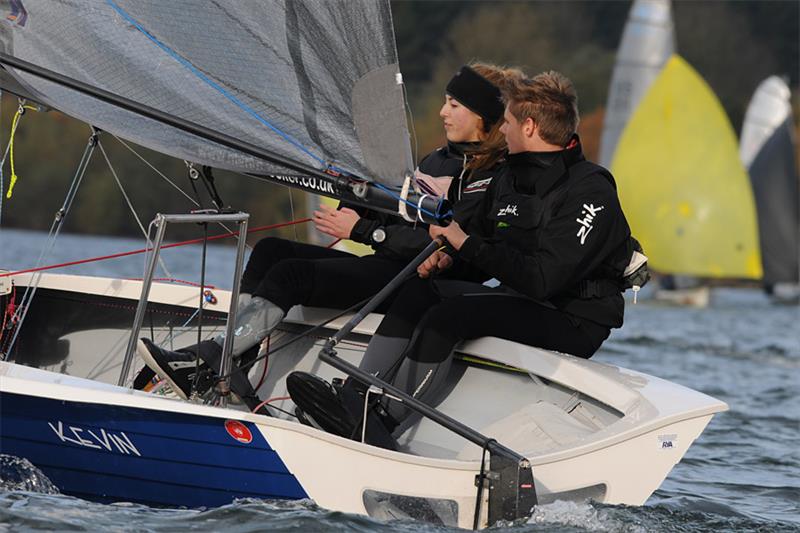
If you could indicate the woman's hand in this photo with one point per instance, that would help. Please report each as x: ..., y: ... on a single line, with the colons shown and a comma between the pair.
x: 336, y: 223
x: 453, y: 233
x: 435, y: 262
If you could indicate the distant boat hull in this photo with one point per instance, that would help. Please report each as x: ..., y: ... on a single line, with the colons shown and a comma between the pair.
x: 699, y: 297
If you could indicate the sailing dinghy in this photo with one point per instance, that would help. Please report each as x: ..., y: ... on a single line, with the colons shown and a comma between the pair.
x: 306, y: 94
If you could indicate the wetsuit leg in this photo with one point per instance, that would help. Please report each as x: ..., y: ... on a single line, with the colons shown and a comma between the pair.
x: 269, y: 251
x: 338, y: 282
x: 391, y: 338
x: 322, y: 277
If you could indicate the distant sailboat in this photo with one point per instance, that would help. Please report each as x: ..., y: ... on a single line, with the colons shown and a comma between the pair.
x: 683, y: 187
x: 768, y: 152
x: 648, y: 41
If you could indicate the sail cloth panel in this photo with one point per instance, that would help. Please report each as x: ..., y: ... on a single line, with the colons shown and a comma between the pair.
x: 280, y: 74
x: 684, y: 191
x: 769, y: 108
x: 767, y: 150
x: 648, y: 41
x: 776, y: 187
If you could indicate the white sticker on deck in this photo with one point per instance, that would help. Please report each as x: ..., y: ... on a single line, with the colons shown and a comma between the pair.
x: 667, y: 442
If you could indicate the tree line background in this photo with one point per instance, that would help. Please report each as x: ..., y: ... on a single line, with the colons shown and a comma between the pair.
x: 734, y: 45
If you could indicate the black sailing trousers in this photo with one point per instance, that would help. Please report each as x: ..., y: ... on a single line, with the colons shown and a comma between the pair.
x: 448, y: 311
x: 289, y: 273
x: 437, y: 315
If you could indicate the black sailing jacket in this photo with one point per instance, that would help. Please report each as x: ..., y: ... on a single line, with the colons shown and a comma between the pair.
x: 405, y: 240
x: 543, y: 234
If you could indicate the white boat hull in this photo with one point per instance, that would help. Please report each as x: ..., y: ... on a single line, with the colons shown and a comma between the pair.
x: 590, y: 430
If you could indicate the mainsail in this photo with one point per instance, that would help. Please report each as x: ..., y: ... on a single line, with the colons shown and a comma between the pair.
x: 648, y: 41
x: 767, y: 149
x: 313, y: 80
x: 681, y: 183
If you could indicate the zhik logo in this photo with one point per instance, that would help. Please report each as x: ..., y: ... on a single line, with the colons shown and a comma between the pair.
x: 508, y: 210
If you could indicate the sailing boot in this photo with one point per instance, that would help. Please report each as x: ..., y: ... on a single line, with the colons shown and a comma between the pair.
x: 177, y: 367
x: 211, y: 353
x: 338, y: 411
x: 254, y: 322
x: 379, y: 424
x: 318, y: 404
x: 146, y: 378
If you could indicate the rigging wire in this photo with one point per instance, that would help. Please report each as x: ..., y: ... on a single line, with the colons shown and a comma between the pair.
x: 163, y: 176
x: 2, y: 163
x: 55, y: 229
x: 291, y: 209
x: 128, y: 200
x: 167, y: 179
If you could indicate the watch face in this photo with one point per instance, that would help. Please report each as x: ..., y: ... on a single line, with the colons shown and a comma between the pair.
x: 379, y: 235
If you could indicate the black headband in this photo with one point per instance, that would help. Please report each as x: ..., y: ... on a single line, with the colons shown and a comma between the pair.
x: 478, y: 94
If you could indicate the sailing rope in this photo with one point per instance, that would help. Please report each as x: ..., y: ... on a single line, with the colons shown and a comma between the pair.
x: 417, y: 206
x: 55, y: 229
x: 144, y: 250
x: 10, y: 148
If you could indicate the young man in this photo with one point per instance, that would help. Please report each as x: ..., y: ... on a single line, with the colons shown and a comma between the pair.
x: 551, y: 230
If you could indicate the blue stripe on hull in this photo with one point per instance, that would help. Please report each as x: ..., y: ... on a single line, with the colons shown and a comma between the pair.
x: 112, y: 453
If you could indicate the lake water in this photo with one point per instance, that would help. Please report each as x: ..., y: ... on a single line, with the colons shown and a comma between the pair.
x: 742, y: 474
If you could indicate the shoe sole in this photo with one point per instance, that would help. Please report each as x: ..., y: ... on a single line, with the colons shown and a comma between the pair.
x: 319, y: 403
x: 144, y: 353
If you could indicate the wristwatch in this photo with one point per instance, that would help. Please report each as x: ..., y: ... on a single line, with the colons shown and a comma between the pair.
x: 379, y: 235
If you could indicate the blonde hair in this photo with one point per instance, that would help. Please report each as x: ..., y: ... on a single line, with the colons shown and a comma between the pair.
x: 550, y: 100
x: 493, y: 146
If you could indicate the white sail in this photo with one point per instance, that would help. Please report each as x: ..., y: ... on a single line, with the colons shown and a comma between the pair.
x: 767, y: 110
x: 648, y: 41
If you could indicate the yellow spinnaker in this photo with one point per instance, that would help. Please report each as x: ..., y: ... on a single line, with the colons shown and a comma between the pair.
x: 682, y: 185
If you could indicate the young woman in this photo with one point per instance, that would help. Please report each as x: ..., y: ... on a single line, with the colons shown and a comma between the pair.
x: 281, y: 274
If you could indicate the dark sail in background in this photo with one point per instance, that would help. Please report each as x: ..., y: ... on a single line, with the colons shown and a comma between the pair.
x: 295, y: 78
x: 767, y: 150
x: 777, y: 190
